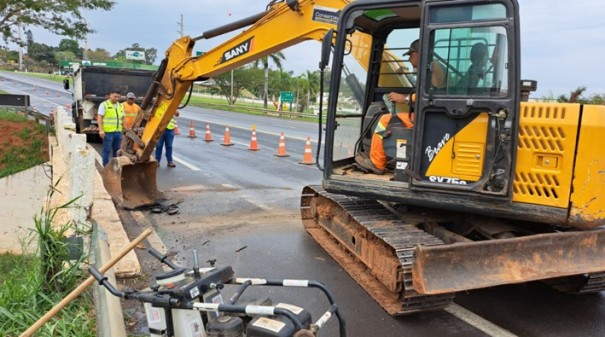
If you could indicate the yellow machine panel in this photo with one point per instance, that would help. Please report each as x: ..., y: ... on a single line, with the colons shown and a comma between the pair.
x: 462, y: 156
x: 587, y: 201
x: 545, y: 153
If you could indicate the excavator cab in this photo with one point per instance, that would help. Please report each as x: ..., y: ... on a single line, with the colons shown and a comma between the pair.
x: 466, y: 100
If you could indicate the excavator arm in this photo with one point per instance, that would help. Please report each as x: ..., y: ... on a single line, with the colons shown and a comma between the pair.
x: 130, y: 178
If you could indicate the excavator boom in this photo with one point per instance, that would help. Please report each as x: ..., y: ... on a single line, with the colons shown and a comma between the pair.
x: 130, y: 178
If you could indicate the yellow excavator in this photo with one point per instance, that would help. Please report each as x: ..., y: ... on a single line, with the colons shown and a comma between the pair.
x: 485, y: 189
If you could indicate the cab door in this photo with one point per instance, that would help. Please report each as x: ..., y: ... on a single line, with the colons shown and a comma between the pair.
x: 467, y: 97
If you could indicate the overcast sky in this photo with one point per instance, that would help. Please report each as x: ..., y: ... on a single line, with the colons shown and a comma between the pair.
x: 563, y: 43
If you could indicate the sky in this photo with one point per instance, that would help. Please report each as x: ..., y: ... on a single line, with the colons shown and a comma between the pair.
x: 562, y: 44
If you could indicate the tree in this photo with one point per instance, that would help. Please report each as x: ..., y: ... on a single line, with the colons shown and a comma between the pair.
x: 575, y: 96
x: 243, y: 78
x: 99, y: 54
x: 59, y: 17
x: 311, y: 81
x: 42, y: 53
x: 71, y: 46
x: 150, y: 54
x: 281, y: 80
x: 9, y: 56
x: 29, y: 38
x: 276, y: 58
x: 65, y: 56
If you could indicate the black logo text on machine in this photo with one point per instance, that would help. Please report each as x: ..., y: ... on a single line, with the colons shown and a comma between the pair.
x: 239, y: 50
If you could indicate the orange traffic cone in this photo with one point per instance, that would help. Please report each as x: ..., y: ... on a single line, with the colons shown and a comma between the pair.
x: 227, y: 138
x: 208, y: 135
x: 191, y: 131
x: 253, y: 143
x: 176, y: 129
x: 308, y: 157
x: 281, y: 149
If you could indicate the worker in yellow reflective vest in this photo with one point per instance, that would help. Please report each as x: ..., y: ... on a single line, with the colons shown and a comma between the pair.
x: 110, y: 118
x: 166, y: 140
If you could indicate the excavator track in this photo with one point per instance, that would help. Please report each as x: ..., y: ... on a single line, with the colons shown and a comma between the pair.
x: 374, y: 245
x: 579, y: 284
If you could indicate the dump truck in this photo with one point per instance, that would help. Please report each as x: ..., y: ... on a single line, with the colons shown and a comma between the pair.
x: 91, y: 86
x: 485, y: 188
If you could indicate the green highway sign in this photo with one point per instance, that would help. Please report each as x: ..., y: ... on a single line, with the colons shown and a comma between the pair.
x: 287, y: 96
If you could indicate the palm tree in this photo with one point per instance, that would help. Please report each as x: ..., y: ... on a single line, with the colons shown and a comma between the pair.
x: 276, y: 58
x: 312, y: 84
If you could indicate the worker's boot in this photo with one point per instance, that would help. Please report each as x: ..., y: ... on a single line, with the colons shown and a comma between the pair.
x: 365, y: 163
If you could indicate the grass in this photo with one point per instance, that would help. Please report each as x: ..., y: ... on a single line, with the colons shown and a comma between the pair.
x: 28, y: 152
x: 50, y: 77
x: 30, y: 285
x: 239, y: 107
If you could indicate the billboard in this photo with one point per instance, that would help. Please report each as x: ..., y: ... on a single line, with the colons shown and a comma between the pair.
x: 135, y: 55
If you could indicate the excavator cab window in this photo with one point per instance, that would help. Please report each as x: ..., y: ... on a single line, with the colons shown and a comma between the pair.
x: 474, y: 57
x: 351, y: 96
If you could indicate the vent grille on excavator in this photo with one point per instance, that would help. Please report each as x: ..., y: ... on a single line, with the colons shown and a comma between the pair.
x: 545, y: 151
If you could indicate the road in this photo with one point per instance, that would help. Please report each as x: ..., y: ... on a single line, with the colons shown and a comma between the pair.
x: 241, y: 208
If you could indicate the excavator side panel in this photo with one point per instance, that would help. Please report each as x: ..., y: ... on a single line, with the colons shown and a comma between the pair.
x: 546, y: 149
x: 587, y: 203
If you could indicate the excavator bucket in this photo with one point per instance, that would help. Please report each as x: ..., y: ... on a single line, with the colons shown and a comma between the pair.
x: 131, y: 185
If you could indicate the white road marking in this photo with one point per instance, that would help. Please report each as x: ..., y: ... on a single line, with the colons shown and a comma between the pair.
x: 186, y: 164
x: 242, y: 144
x: 478, y: 322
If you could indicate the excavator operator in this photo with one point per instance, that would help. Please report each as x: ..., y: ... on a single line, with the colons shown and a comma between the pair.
x: 380, y: 151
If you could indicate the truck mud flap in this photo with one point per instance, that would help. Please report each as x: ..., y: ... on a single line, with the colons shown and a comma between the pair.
x: 131, y: 185
x: 464, y: 266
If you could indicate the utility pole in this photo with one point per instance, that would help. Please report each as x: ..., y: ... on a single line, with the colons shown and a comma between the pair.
x: 20, y: 50
x: 85, y: 51
x: 231, y: 100
x: 180, y: 24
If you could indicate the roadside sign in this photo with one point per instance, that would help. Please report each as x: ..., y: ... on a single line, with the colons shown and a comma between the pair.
x: 135, y: 55
x: 287, y: 96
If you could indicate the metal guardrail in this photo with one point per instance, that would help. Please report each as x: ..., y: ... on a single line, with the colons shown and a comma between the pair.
x: 21, y: 105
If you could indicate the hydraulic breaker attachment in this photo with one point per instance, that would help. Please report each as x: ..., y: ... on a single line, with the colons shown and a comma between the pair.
x: 131, y: 185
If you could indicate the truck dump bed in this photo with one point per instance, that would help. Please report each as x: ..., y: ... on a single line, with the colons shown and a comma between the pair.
x: 93, y: 83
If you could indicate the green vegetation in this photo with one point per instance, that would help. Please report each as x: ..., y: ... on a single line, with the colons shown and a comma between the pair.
x: 50, y: 77
x: 30, y: 285
x: 23, y: 143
